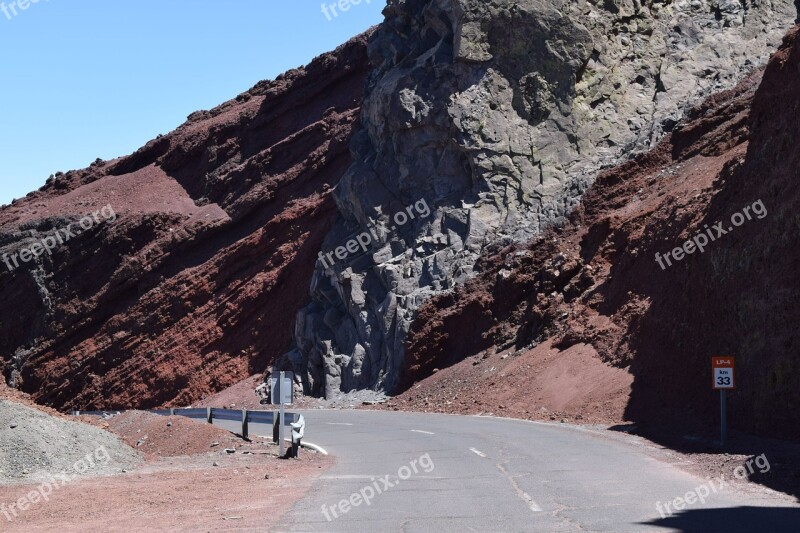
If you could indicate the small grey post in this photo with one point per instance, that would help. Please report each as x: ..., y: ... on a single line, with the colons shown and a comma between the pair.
x: 281, y: 444
x: 209, y: 416
x: 171, y: 411
x: 723, y: 419
x: 245, y: 429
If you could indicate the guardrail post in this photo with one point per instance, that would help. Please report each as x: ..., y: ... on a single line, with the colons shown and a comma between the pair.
x: 76, y: 413
x: 276, y: 420
x: 171, y: 411
x: 281, y: 442
x: 209, y: 415
x: 245, y: 429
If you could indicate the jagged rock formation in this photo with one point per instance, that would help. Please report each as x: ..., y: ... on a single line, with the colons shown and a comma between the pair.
x: 194, y: 284
x: 497, y: 114
x: 597, y: 281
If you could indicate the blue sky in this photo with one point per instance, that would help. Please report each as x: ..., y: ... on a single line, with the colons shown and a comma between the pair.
x: 83, y: 79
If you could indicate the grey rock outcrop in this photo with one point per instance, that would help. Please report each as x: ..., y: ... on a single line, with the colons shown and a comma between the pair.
x: 495, y: 115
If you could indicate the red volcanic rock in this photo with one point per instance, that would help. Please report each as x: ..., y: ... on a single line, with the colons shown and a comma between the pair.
x: 596, y: 283
x: 217, y: 229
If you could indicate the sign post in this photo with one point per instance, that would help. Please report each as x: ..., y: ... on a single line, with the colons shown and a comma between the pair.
x: 722, y: 380
x: 281, y: 442
x: 282, y: 389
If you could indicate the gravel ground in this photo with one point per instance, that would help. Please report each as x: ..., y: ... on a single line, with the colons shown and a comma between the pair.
x: 35, y: 446
x: 196, y: 493
x: 342, y: 400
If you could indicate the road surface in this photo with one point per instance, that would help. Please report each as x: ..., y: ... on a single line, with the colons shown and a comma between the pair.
x: 462, y: 473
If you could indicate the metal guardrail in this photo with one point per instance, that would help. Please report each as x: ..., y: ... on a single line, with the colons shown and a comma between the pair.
x: 235, y: 421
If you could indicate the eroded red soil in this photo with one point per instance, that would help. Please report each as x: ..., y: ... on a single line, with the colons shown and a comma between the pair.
x: 242, y: 493
x: 196, y: 283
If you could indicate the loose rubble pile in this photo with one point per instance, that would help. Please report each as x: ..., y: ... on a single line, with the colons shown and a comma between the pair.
x: 35, y: 446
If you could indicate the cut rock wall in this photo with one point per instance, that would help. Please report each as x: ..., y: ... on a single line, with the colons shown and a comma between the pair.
x: 498, y: 114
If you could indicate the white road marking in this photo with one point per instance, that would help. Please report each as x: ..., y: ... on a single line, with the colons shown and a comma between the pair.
x: 473, y: 450
x: 420, y: 431
x: 374, y: 477
x: 532, y: 505
x: 316, y: 447
x: 348, y: 477
x: 338, y: 424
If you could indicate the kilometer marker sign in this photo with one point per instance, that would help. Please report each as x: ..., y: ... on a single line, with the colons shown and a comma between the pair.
x: 723, y: 372
x: 722, y: 376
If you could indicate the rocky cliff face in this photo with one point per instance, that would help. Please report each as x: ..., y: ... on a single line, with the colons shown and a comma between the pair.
x: 729, y: 172
x: 495, y: 116
x: 194, y: 283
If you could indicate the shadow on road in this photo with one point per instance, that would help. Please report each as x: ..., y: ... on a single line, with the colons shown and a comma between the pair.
x: 784, y: 457
x: 733, y: 520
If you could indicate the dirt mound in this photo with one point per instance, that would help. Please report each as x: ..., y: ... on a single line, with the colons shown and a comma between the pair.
x: 170, y: 436
x: 573, y: 384
x: 239, y: 396
x: 598, y: 281
x: 216, y: 229
x: 35, y: 446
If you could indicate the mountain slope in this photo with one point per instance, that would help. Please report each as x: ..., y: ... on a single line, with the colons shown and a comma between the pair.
x: 497, y: 114
x: 193, y: 284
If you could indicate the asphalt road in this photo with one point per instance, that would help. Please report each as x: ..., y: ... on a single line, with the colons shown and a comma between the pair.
x: 460, y: 474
